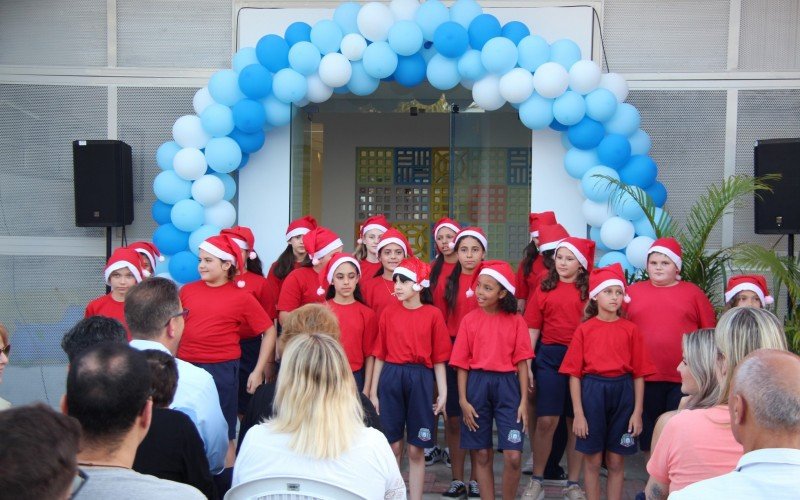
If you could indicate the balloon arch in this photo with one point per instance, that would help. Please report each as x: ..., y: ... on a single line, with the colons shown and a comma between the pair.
x: 548, y: 83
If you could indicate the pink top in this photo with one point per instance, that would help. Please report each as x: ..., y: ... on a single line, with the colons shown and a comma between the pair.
x: 695, y: 445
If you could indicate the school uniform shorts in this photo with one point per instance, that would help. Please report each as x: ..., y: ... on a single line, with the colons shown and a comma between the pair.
x: 495, y: 396
x: 659, y: 397
x: 608, y: 406
x: 226, y: 378
x: 552, y: 388
x: 247, y: 363
x: 405, y: 395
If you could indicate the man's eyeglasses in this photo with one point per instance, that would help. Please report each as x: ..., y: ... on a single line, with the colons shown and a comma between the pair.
x: 6, y: 350
x: 78, y: 482
x: 183, y: 313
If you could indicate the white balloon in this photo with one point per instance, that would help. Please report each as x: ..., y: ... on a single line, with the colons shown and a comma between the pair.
x: 202, y: 99
x: 221, y: 214
x: 616, y: 233
x: 374, y: 21
x: 317, y: 90
x: 404, y: 10
x: 190, y: 163
x: 486, y: 93
x: 596, y: 213
x: 636, y: 252
x: 516, y: 86
x: 584, y: 76
x: 550, y: 80
x: 616, y: 84
x: 353, y: 46
x: 208, y: 190
x: 335, y: 70
x: 188, y: 132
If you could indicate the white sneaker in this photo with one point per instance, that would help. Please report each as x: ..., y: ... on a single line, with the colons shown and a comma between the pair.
x: 534, y: 491
x: 573, y: 492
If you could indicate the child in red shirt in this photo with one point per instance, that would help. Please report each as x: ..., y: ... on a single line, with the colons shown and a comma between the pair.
x: 369, y: 234
x: 123, y: 270
x: 378, y: 289
x: 293, y: 256
x: 149, y: 255
x: 491, y: 353
x: 531, y: 267
x: 747, y: 290
x: 606, y: 364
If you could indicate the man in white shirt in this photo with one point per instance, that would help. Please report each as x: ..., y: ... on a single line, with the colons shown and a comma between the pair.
x: 155, y: 319
x: 765, y: 418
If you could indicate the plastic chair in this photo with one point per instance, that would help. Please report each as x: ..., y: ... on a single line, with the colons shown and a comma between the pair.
x: 289, y: 488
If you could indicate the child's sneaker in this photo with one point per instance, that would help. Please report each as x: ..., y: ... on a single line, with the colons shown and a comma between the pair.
x: 534, y: 491
x: 573, y: 492
x: 527, y: 468
x: 457, y: 489
x: 432, y: 455
x: 446, y: 457
x: 473, y: 491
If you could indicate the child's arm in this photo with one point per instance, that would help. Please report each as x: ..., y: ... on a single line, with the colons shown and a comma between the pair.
x: 635, y: 423
x: 266, y: 359
x: 441, y: 386
x: 373, y: 388
x: 369, y: 362
x: 522, y: 411
x: 468, y: 412
x: 579, y: 425
x: 534, y: 333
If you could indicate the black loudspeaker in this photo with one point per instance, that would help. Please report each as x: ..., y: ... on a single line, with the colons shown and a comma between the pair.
x: 103, y: 183
x: 779, y: 211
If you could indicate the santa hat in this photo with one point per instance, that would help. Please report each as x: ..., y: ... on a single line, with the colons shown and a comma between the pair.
x: 326, y: 276
x: 497, y: 269
x: 148, y: 250
x: 243, y: 236
x: 669, y: 247
x: 448, y: 223
x: 300, y: 226
x: 582, y: 248
x: 398, y: 238
x: 319, y: 242
x: 226, y: 249
x: 753, y: 282
x: 604, y: 277
x: 415, y: 270
x: 550, y: 235
x: 125, y: 257
x: 537, y: 220
x: 375, y: 222
x: 473, y: 231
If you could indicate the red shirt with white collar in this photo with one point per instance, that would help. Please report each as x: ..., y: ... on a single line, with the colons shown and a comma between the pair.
x: 299, y: 288
x: 555, y: 313
x: 412, y: 336
x: 492, y: 342
x: 105, y: 305
x: 358, y: 327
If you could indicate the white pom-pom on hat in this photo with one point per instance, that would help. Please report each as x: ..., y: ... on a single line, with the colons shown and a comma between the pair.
x: 146, y: 273
x: 320, y: 291
x: 627, y: 299
x: 469, y: 292
x: 416, y: 287
x: 768, y: 300
x: 161, y: 258
x: 315, y: 261
x: 359, y: 241
x: 240, y: 283
x: 451, y: 245
x: 252, y: 255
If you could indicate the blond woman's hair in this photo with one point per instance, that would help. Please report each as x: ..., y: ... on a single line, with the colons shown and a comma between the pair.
x: 309, y: 318
x: 701, y: 355
x: 316, y: 400
x: 741, y: 331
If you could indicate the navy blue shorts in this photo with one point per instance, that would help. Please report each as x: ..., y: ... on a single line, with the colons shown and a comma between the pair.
x: 495, y: 396
x: 659, y: 398
x: 552, y: 388
x: 226, y: 378
x: 247, y: 363
x: 608, y: 406
x: 359, y: 376
x: 452, y: 406
x: 405, y: 395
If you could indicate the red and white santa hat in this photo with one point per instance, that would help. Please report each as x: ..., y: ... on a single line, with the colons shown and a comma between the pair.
x: 497, y: 269
x: 125, y: 257
x: 243, y: 236
x: 550, y: 235
x: 319, y: 242
x: 537, y: 220
x: 752, y: 282
x: 394, y: 236
x: 415, y: 270
x: 446, y: 222
x: 301, y: 226
x: 378, y: 222
x: 148, y: 250
x: 473, y: 231
x: 326, y: 276
x: 604, y: 277
x: 226, y: 249
x: 582, y: 248
x: 669, y: 247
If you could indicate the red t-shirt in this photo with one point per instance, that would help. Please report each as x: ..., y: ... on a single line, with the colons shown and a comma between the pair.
x: 368, y: 269
x: 664, y: 314
x: 441, y: 282
x: 464, y: 304
x: 491, y: 342
x: 378, y: 293
x: 358, y: 327
x: 555, y: 313
x: 412, y: 336
x: 527, y: 285
x: 299, y: 288
x: 276, y: 283
x: 608, y: 349
x: 105, y: 305
x: 216, y: 316
x: 261, y: 290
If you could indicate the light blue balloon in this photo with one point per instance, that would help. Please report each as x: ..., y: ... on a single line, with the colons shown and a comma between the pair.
x: 304, y: 57
x: 578, y: 161
x: 617, y: 258
x: 183, y: 267
x: 470, y: 66
x: 224, y: 87
x: 443, y: 72
x: 361, y: 83
x: 429, y: 16
x: 464, y: 11
x: 626, y: 120
x: 564, y: 139
x: 166, y: 153
x: 565, y: 52
x: 169, y: 239
x: 379, y: 60
x: 289, y: 86
x: 499, y: 55
x: 346, y: 16
x: 405, y: 38
x: 597, y: 189
x: 223, y: 154
x: 217, y: 120
x: 170, y: 188
x: 278, y: 113
x: 594, y: 235
x: 643, y: 227
x: 640, y: 143
x: 244, y: 57
x: 200, y: 235
x: 187, y: 215
x: 229, y: 183
x: 626, y: 207
x: 569, y: 108
x: 533, y: 52
x: 327, y: 36
x: 537, y: 112
x: 601, y: 104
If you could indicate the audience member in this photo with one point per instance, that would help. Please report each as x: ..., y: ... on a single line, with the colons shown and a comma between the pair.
x: 5, y: 351
x: 91, y: 331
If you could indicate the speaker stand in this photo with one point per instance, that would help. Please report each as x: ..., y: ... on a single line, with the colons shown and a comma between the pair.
x: 108, y: 250
x: 790, y: 305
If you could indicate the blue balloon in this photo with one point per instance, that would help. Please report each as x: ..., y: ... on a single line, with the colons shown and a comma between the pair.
x: 224, y: 87
x: 614, y: 151
x: 499, y: 55
x: 658, y: 192
x: 379, y: 60
x: 537, y: 112
x: 166, y: 153
x: 304, y: 57
x: 217, y: 120
x: 245, y: 158
x: 429, y: 16
x: 578, y: 161
x: 223, y: 154
x: 361, y: 83
x: 346, y: 16
x: 569, y: 108
x: 278, y: 113
x: 442, y: 72
x: 565, y: 52
x: 626, y: 120
x: 640, y: 171
x: 601, y: 104
x: 464, y: 11
x: 187, y: 215
x: 273, y: 52
x: 169, y: 239
x: 342, y: 90
x: 451, y: 39
x: 255, y: 81
x: 643, y: 227
x: 482, y: 29
x: 243, y: 58
x: 470, y: 66
x: 410, y: 70
x: 626, y: 207
x: 297, y: 32
x: 586, y: 134
x: 405, y: 38
x: 616, y: 257
x: 533, y: 52
x: 248, y: 116
x: 327, y: 36
x: 171, y: 188
x: 162, y: 266
x: 161, y: 212
x: 248, y: 143
x: 289, y: 86
x: 229, y: 183
x: 597, y: 188
x: 200, y: 235
x: 558, y: 126
x: 594, y: 235
x: 183, y: 267
x: 515, y: 31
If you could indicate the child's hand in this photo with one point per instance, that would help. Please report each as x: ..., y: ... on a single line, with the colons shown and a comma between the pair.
x: 375, y: 403
x: 531, y: 382
x: 522, y: 416
x: 439, y: 407
x: 580, y: 427
x: 469, y: 416
x: 255, y: 379
x: 635, y: 425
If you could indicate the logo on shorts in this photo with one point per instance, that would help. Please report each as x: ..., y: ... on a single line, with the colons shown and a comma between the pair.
x: 627, y: 440
x: 424, y: 434
x: 514, y: 436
